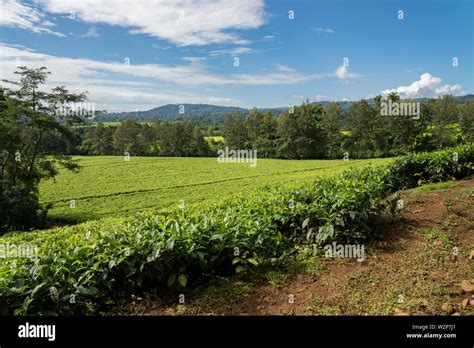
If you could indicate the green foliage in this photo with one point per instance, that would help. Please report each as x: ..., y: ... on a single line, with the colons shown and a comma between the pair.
x: 419, y: 168
x: 85, y: 268
x: 108, y: 186
x: 28, y: 116
x: 309, y: 131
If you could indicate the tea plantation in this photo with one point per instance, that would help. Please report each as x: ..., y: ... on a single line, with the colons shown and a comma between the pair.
x: 90, y: 267
x: 112, y: 186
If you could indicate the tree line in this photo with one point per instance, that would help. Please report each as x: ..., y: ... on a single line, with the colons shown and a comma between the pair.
x: 307, y: 131
x: 156, y: 138
x: 310, y: 131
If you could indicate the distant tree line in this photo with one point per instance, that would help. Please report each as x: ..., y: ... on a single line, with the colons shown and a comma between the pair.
x: 157, y: 138
x: 307, y: 131
x: 362, y: 131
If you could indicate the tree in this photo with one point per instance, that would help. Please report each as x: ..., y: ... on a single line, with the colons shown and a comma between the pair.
x: 444, y: 116
x: 27, y: 114
x: 332, y: 130
x: 265, y: 143
x: 151, y: 137
x: 360, y: 116
x: 466, y: 120
x: 235, y: 132
x: 300, y: 135
x: 199, y: 146
x: 128, y: 138
x: 253, y: 125
x: 100, y: 139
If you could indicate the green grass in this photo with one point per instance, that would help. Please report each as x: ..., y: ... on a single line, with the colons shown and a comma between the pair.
x: 111, y: 186
x: 435, y: 186
x: 432, y: 234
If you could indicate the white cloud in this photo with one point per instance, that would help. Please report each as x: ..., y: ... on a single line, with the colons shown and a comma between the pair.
x: 16, y: 15
x: 324, y: 30
x: 182, y: 22
x: 194, y: 73
x: 114, y: 94
x: 343, y: 73
x: 160, y: 47
x: 113, y: 82
x: 320, y: 98
x: 316, y: 98
x: 426, y: 86
x: 92, y: 32
x: 284, y: 68
x: 447, y: 89
x: 268, y: 38
x: 237, y: 51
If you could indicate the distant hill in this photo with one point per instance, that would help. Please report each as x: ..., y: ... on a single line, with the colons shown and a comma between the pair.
x: 171, y: 112
x: 213, y: 114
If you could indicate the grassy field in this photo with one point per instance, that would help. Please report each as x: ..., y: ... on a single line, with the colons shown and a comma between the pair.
x: 111, y: 186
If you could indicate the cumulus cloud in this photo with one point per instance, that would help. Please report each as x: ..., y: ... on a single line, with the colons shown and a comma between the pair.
x: 448, y: 89
x: 182, y: 22
x: 343, y: 73
x: 17, y: 15
x: 426, y: 86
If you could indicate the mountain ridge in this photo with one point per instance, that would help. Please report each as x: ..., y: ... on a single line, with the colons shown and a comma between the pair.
x: 203, y: 113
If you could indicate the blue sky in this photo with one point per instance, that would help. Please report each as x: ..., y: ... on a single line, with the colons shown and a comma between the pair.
x: 185, y: 51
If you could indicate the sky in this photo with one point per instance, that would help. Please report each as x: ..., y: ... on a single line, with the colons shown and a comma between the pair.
x: 136, y: 55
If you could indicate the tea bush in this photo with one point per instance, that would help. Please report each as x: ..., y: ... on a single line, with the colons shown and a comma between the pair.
x: 84, y: 269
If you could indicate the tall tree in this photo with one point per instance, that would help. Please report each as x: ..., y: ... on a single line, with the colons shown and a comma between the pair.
x: 466, y: 120
x: 265, y: 143
x: 235, y: 132
x: 360, y: 116
x: 27, y: 113
x: 444, y: 117
x: 332, y: 130
x: 198, y: 145
x: 128, y: 138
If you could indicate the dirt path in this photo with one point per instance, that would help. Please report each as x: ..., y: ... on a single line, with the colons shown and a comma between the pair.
x: 416, y: 267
